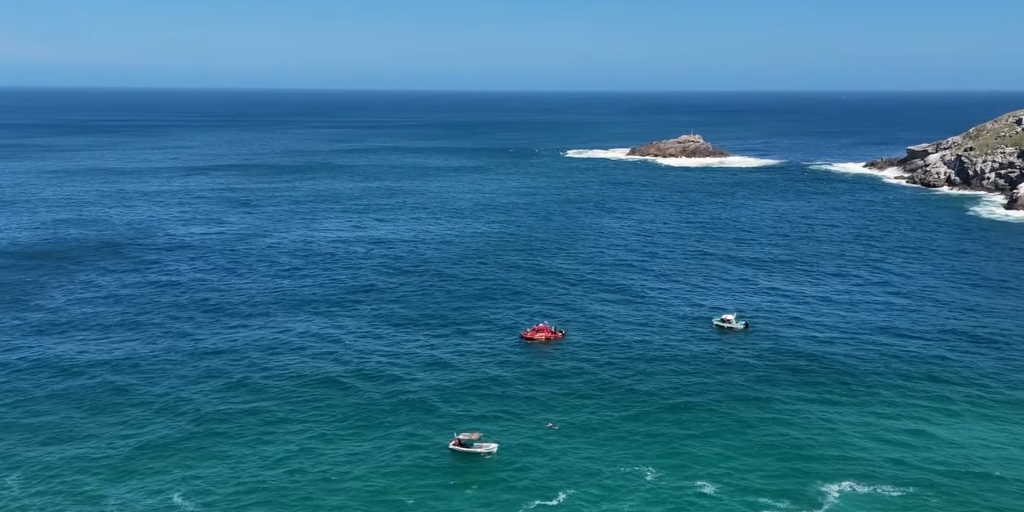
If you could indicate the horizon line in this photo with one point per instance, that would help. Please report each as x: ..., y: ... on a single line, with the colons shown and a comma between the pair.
x: 504, y: 91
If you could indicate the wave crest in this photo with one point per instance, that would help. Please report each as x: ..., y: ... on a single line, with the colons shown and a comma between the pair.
x: 183, y: 503
x: 834, y: 491
x: 777, y: 505
x: 562, y: 496
x: 989, y: 206
x: 890, y: 175
x: 706, y: 487
x: 621, y: 154
x: 650, y: 474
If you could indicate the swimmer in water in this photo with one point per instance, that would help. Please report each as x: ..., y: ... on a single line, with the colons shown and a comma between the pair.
x: 551, y: 425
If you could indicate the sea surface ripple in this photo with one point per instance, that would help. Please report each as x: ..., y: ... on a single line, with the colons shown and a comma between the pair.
x: 258, y: 300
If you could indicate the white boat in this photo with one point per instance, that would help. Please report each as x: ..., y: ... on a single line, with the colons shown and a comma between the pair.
x: 729, y: 322
x: 466, y: 442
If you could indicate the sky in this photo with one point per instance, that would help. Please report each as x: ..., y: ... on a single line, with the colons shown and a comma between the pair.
x: 549, y: 45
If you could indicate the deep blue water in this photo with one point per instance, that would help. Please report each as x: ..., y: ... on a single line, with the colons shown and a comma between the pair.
x: 288, y: 301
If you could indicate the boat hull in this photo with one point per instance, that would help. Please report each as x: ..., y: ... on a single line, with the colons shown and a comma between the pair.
x: 541, y: 337
x: 479, y: 448
x: 738, y: 326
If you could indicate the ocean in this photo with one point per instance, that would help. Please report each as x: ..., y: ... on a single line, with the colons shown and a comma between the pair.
x: 290, y: 300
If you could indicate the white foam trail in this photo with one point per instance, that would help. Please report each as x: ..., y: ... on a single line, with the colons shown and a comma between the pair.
x: 776, y: 505
x: 834, y: 491
x: 562, y: 495
x: 621, y: 154
x: 183, y: 503
x: 706, y: 487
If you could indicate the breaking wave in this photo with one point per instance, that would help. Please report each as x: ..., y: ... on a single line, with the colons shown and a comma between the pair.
x: 777, y: 505
x: 621, y: 154
x: 650, y: 474
x: 890, y: 175
x: 834, y: 491
x: 183, y: 503
x: 989, y: 206
x: 706, y: 487
x: 562, y: 496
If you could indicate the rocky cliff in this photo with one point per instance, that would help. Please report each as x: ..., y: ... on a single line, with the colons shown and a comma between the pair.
x: 686, y: 146
x: 988, y: 157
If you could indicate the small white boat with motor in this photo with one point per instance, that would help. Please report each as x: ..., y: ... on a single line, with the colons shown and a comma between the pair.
x: 729, y: 322
x: 467, y: 442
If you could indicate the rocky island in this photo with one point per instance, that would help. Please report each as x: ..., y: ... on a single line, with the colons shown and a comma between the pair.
x: 686, y: 146
x: 988, y: 157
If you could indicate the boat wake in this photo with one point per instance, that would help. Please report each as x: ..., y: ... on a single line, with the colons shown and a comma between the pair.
x: 621, y: 154
x: 562, y: 496
x: 989, y: 205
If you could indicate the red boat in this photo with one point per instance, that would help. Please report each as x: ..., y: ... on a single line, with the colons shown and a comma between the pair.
x: 541, y: 333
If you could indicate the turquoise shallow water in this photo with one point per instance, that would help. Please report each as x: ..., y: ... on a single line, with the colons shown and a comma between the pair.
x: 219, y: 301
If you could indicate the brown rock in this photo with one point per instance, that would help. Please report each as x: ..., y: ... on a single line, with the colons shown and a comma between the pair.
x: 686, y: 146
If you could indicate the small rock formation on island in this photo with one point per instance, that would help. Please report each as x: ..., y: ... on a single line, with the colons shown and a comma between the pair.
x: 988, y: 157
x: 686, y: 146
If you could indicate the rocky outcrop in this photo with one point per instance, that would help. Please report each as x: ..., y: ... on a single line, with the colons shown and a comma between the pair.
x: 686, y: 146
x: 988, y: 157
x: 882, y: 164
x: 1016, y: 201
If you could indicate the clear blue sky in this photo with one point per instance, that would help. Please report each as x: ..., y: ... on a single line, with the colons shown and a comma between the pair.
x: 516, y: 44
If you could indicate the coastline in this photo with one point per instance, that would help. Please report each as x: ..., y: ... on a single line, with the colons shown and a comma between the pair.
x: 989, y: 205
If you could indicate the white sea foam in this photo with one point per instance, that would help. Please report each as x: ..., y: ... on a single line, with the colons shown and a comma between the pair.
x: 834, y: 491
x: 706, y: 487
x: 962, y: 192
x: 562, y: 496
x: 621, y: 154
x: 183, y: 503
x: 778, y: 505
x: 890, y: 175
x: 989, y: 206
x: 650, y: 474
